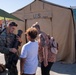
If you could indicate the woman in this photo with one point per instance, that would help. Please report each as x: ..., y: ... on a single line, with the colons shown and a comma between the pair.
x: 45, y: 53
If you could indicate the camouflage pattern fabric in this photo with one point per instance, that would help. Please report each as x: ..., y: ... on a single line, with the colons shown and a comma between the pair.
x: 6, y: 42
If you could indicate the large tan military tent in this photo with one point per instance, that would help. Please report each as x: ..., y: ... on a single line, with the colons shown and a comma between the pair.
x: 53, y: 19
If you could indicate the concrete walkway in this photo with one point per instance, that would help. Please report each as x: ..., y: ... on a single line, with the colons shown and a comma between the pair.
x: 60, y: 69
x: 57, y: 69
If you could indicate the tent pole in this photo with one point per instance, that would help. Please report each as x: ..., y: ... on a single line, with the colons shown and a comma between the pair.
x: 5, y: 21
x: 51, y: 27
x: 25, y: 29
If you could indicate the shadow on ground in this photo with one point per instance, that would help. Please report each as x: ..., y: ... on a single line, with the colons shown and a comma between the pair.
x: 67, y: 69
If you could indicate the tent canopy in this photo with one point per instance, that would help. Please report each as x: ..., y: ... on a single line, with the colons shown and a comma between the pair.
x: 55, y: 20
x: 4, y: 14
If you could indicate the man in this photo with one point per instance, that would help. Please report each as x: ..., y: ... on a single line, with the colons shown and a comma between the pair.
x: 44, y: 51
x: 7, y: 38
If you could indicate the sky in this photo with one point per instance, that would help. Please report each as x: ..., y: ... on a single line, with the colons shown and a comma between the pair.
x: 13, y: 5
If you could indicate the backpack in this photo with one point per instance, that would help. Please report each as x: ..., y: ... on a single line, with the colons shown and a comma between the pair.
x: 54, y: 46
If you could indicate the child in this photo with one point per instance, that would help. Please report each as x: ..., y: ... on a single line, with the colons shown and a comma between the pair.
x: 29, y: 53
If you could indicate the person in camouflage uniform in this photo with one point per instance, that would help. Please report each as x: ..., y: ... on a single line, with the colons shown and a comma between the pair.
x: 7, y: 38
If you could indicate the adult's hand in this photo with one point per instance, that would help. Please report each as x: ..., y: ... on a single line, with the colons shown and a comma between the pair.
x: 19, y: 39
x: 13, y: 50
x: 2, y: 68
